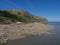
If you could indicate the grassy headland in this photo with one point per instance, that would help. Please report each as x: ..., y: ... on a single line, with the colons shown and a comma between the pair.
x: 12, y: 16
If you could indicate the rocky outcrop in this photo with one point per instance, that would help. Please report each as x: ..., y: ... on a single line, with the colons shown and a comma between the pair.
x: 21, y: 30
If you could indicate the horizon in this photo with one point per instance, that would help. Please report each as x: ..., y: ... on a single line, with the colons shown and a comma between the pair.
x: 49, y: 9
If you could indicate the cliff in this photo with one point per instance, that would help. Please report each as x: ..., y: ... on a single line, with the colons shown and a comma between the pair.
x: 12, y: 16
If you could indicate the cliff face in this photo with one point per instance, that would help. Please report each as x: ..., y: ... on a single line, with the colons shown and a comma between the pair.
x: 12, y: 16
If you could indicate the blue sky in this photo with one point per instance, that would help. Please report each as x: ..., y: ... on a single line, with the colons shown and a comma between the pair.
x: 45, y: 8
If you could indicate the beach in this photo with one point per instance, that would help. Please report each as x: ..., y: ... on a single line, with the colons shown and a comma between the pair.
x: 21, y: 30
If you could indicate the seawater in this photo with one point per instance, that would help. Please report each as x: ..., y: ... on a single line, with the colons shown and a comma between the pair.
x: 43, y: 39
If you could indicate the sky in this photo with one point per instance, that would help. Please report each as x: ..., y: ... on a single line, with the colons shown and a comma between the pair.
x: 49, y: 9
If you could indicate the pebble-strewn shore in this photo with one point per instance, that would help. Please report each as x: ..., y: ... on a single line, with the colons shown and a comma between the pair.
x: 18, y: 31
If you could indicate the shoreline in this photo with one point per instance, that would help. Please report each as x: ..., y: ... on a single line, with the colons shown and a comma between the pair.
x: 19, y: 31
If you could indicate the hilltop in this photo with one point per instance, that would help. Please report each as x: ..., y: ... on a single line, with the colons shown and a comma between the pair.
x: 13, y: 16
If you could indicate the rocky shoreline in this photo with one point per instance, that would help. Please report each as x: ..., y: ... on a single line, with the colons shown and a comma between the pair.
x: 21, y: 30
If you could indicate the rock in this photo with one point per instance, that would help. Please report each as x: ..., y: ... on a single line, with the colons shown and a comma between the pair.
x: 15, y: 31
x: 3, y: 37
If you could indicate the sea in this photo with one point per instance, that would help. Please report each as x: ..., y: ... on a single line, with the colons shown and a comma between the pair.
x: 43, y: 39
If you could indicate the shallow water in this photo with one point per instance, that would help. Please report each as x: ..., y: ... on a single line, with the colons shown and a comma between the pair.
x: 44, y: 39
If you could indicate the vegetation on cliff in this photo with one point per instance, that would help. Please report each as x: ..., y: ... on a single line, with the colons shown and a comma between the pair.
x: 11, y: 16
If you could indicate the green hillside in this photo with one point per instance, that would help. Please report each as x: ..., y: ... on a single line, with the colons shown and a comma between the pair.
x: 12, y: 16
